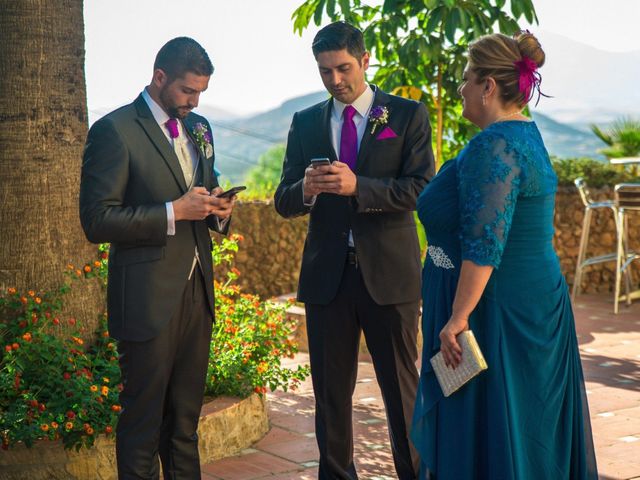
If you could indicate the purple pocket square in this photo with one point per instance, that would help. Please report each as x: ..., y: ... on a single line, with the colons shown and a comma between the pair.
x: 386, y: 133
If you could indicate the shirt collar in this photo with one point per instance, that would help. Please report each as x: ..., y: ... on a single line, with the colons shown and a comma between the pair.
x: 158, y: 113
x: 362, y: 104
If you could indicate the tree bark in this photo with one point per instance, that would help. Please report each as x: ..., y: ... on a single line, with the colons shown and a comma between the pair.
x: 44, y: 125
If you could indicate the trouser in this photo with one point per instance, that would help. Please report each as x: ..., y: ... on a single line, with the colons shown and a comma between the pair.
x: 163, y: 381
x: 334, y: 336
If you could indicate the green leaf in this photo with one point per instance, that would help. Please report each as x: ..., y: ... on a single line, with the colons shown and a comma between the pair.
x: 317, y: 16
x: 331, y: 8
x: 451, y: 26
x: 434, y: 20
x: 389, y: 6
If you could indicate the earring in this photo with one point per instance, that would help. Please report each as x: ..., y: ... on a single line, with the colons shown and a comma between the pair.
x: 484, y: 101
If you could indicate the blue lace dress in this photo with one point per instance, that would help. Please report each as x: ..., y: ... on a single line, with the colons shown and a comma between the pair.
x: 526, y: 417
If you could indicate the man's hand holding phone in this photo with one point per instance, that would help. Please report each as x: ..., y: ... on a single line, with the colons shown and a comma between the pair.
x: 318, y: 168
x: 323, y: 176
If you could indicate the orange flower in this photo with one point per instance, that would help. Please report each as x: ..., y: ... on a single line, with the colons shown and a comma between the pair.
x: 105, y: 380
x: 262, y: 367
x: 70, y: 267
x: 116, y: 408
x: 87, y: 268
x: 44, y: 427
x: 11, y: 290
x: 7, y: 348
x: 104, y: 390
x: 89, y: 431
x: 78, y: 273
x: 23, y: 300
x: 97, y: 264
x: 54, y: 425
x: 31, y: 293
x: 235, y: 271
x: 93, y: 388
x: 108, y: 429
x: 77, y: 340
x: 105, y: 334
x: 68, y: 425
x: 15, y: 346
x: 38, y: 300
x: 26, y: 337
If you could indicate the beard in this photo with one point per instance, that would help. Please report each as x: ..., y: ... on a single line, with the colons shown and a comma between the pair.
x: 173, y: 110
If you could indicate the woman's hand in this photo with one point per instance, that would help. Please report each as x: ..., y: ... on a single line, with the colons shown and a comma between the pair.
x: 449, y: 346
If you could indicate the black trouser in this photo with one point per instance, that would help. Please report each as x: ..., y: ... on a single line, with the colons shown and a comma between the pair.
x: 163, y: 388
x: 334, y: 336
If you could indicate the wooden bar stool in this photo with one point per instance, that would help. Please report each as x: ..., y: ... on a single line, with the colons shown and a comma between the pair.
x: 626, y: 201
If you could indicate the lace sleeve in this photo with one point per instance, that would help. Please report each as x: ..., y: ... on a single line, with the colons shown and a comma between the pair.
x: 489, y: 184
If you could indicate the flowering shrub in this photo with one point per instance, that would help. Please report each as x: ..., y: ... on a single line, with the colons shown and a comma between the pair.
x: 52, y: 385
x: 249, y: 338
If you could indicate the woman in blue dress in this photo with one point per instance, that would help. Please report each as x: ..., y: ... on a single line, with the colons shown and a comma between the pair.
x: 491, y: 267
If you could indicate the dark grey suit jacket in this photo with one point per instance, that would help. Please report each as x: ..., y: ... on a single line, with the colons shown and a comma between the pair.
x: 129, y: 171
x: 391, y: 174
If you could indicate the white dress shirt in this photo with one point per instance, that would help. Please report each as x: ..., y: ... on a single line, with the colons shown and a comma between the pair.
x: 363, y: 105
x: 161, y: 117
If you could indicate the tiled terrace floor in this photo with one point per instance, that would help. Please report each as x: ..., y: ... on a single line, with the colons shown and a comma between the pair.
x: 610, y: 348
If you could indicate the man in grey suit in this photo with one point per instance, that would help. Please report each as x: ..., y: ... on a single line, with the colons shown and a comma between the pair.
x: 148, y: 188
x: 361, y: 262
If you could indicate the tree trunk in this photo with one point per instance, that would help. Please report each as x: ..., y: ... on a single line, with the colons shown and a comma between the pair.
x: 44, y: 126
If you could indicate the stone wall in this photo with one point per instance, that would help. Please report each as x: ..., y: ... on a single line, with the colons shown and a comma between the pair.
x: 270, y: 253
x: 269, y: 257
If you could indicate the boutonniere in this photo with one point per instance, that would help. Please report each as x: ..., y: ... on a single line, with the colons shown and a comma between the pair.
x: 203, y: 139
x: 378, y: 116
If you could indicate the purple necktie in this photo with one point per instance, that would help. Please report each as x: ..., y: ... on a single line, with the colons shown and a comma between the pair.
x: 349, y: 138
x: 172, y: 126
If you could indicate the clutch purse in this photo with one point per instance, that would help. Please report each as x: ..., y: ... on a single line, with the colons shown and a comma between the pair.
x: 472, y: 364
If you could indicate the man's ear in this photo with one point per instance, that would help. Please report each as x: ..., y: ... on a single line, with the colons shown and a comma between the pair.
x: 365, y: 60
x: 159, y: 78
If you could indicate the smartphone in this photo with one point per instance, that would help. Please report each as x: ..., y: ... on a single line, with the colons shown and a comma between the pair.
x: 318, y: 162
x: 232, y: 191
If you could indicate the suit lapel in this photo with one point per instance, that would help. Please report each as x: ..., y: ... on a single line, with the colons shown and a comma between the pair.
x: 159, y: 140
x: 380, y: 99
x: 326, y: 128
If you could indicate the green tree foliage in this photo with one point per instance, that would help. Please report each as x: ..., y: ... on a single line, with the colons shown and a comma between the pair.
x: 597, y: 174
x: 263, y: 179
x: 420, y: 46
x: 623, y: 138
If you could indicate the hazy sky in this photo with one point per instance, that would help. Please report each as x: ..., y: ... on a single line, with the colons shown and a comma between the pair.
x: 259, y: 61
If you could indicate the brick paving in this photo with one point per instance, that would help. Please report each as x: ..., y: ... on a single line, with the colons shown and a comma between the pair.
x: 610, y: 349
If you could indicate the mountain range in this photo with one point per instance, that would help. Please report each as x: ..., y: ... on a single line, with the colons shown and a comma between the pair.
x: 587, y: 85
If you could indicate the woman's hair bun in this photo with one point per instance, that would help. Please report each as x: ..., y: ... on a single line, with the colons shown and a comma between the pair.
x: 529, y: 46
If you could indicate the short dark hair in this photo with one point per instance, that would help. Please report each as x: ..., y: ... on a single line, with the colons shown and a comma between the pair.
x: 338, y: 36
x: 181, y: 55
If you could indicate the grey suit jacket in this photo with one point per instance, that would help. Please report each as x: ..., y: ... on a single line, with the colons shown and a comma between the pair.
x: 391, y: 173
x: 129, y: 171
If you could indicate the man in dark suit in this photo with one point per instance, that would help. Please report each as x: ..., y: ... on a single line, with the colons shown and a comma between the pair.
x: 148, y: 188
x: 361, y: 261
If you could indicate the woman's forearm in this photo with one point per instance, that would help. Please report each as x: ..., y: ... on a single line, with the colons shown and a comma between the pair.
x: 472, y: 282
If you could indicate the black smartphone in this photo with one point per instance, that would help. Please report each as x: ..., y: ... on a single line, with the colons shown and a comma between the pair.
x: 232, y: 191
x: 318, y: 162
